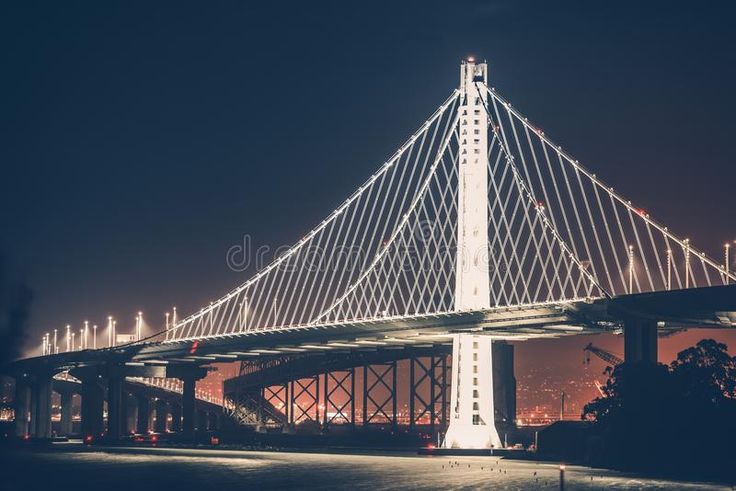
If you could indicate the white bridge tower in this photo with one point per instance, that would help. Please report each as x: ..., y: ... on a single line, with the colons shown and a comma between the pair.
x: 472, y: 412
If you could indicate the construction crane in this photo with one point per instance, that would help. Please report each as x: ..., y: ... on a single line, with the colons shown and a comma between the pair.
x: 604, y: 355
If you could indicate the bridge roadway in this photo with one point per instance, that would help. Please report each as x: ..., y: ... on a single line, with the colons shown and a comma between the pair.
x: 640, y: 316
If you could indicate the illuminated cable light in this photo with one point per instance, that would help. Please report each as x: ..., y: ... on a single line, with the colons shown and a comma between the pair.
x: 726, y: 247
x: 687, y: 263
x: 631, y: 269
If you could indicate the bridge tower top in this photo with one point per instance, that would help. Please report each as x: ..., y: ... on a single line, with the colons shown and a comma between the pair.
x: 472, y: 287
x: 471, y: 71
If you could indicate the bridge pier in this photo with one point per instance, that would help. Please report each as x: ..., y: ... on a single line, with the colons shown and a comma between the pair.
x: 162, y: 412
x: 472, y: 411
x: 131, y: 412
x: 92, y: 405
x: 144, y: 410
x: 189, y: 377
x: 41, y: 406
x: 115, y: 412
x: 214, y: 421
x: 640, y: 341
x: 175, y: 417
x: 22, y: 403
x: 66, y: 412
x: 504, y: 385
x: 187, y: 407
x: 202, y: 420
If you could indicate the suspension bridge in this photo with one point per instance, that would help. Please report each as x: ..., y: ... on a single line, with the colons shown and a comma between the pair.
x: 478, y: 230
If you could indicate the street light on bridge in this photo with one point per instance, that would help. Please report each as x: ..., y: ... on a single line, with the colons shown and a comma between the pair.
x: 138, y: 326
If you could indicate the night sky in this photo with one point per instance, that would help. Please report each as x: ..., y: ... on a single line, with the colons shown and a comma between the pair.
x: 141, y: 140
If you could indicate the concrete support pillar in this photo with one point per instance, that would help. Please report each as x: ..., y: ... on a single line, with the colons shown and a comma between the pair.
x: 131, y: 412
x: 504, y: 385
x: 123, y: 410
x: 189, y: 376
x: 162, y: 413
x: 144, y: 411
x: 115, y: 413
x: 187, y: 406
x: 32, y: 411
x: 66, y: 413
x: 214, y: 420
x: 175, y: 417
x: 472, y: 412
x: 22, y: 404
x: 202, y: 420
x: 41, y: 410
x: 92, y: 406
x: 640, y: 341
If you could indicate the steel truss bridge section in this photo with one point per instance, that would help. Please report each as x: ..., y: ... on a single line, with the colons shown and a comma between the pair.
x: 322, y: 389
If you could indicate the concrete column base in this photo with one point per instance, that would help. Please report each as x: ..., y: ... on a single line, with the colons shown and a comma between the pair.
x: 472, y: 413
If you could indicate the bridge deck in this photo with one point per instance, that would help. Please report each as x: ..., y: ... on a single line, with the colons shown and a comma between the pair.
x: 701, y: 307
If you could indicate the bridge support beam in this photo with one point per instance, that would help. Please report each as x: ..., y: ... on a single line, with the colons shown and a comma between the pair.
x: 379, y: 390
x: 22, y: 403
x: 66, y: 413
x: 339, y: 397
x: 472, y: 411
x: 305, y: 391
x: 640, y: 341
x: 428, y: 392
x: 162, y: 414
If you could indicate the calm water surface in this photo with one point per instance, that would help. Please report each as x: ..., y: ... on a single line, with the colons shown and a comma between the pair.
x: 69, y: 467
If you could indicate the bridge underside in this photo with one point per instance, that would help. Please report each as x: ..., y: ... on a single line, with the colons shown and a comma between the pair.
x: 509, y: 324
